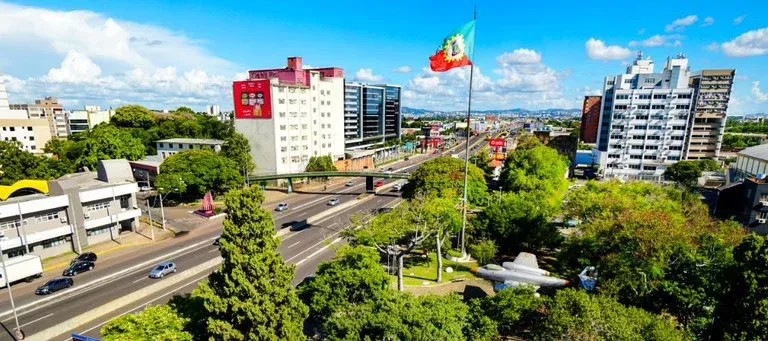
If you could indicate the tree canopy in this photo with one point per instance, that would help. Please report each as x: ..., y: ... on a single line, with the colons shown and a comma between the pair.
x: 192, y: 173
x: 104, y: 142
x: 687, y: 173
x: 535, y: 169
x: 237, y: 149
x: 159, y: 322
x: 444, y: 176
x: 251, y: 297
x: 17, y: 164
x: 133, y: 116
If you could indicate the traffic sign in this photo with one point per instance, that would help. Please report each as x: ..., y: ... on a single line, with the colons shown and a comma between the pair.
x: 497, y: 142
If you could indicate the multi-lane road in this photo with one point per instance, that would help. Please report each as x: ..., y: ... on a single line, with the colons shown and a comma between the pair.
x: 116, y: 277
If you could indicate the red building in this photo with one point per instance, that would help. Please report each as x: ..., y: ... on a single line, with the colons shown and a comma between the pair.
x: 590, y: 119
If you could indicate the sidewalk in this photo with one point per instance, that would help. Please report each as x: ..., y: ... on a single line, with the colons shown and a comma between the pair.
x: 130, y: 240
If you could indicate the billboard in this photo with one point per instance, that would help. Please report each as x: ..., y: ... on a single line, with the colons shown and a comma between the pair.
x: 499, y: 142
x: 252, y: 99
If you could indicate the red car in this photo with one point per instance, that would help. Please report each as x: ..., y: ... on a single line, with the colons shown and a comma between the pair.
x: 379, y: 183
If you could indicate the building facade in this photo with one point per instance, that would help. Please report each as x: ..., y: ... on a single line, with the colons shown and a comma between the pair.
x: 644, y: 119
x: 79, y: 210
x: 16, y: 125
x: 712, y: 92
x: 49, y: 109
x: 168, y: 147
x: 82, y: 120
x: 590, y: 117
x: 305, y: 117
x: 371, y: 114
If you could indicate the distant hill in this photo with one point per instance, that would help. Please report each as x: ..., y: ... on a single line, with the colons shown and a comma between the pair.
x: 515, y: 111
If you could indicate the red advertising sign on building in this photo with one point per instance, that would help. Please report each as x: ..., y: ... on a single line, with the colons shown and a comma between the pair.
x: 252, y: 99
x: 500, y: 142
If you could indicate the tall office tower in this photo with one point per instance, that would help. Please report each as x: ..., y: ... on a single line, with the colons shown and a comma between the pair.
x: 590, y: 117
x: 644, y: 119
x: 371, y: 114
x: 291, y: 114
x: 712, y: 91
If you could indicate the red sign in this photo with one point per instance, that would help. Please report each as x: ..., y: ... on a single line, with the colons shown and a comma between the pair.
x: 252, y: 99
x: 497, y: 142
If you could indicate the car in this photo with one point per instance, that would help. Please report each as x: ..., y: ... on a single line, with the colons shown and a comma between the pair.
x: 216, y: 241
x: 333, y: 202
x: 299, y: 225
x: 79, y: 267
x: 398, y: 187
x: 350, y: 183
x: 144, y: 188
x: 85, y: 257
x: 390, y: 170
x: 406, y: 159
x: 379, y: 183
x: 281, y: 207
x: 162, y: 269
x: 54, y: 285
x: 382, y: 170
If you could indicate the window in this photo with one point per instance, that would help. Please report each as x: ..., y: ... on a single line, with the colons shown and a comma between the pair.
x: 674, y: 158
x: 10, y: 225
x: 654, y: 137
x: 675, y: 147
x: 13, y: 128
x: 322, y: 92
x: 283, y: 149
x: 283, y: 138
x: 627, y: 81
x: 678, y: 138
x: 684, y: 96
x: 281, y: 101
x: 678, y: 127
x: 617, y: 137
x: 659, y: 96
x: 657, y: 106
x: 654, y: 127
x: 643, y: 106
x: 650, y: 81
x: 291, y: 101
x: 98, y: 230
x: 644, y: 96
x: 31, y: 138
x: 280, y: 89
x: 53, y: 242
x: 682, y: 106
x: 322, y: 102
x: 638, y: 137
x: 641, y: 127
x: 322, y: 125
x: 614, y: 156
x: 649, y: 157
x: 621, y: 107
x: 285, y: 160
x: 622, y: 96
x: 13, y: 138
x: 29, y: 128
x: 47, y: 217
x: 634, y: 166
x: 33, y: 147
x: 616, y: 146
x: 651, y: 147
x: 641, y: 117
x: 304, y: 138
x: 637, y: 147
x: 649, y: 168
x: 282, y: 127
x: 635, y: 157
x: 610, y: 83
x: 97, y: 206
x: 303, y: 126
x: 282, y: 114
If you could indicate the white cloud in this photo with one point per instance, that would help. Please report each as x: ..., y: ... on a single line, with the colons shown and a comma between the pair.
x: 641, y: 31
x: 759, y: 95
x: 520, y: 56
x: 659, y: 40
x: 680, y: 24
x: 402, y: 69
x: 75, y: 68
x: 739, y: 19
x: 713, y: 46
x: 596, y: 49
x: 708, y: 21
x: 105, y: 60
x: 751, y: 43
x: 366, y: 75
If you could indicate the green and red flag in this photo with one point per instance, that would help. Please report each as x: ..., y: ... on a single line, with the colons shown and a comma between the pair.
x: 456, y: 49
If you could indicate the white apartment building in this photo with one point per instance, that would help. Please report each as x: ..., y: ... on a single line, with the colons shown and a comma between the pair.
x: 307, y: 118
x: 15, y: 125
x: 644, y: 119
x: 83, y: 120
x: 168, y: 147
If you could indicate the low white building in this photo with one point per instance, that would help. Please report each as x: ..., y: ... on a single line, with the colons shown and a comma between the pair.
x: 168, y: 147
x: 83, y: 120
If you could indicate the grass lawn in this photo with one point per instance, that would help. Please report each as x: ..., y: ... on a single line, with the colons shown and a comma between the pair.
x: 415, y: 275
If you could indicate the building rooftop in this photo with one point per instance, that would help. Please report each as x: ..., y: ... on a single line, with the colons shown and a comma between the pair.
x: 757, y: 152
x: 193, y: 141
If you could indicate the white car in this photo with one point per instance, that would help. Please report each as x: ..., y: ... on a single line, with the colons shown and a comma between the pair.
x: 398, y: 187
x: 144, y: 188
x: 333, y: 202
x: 281, y: 207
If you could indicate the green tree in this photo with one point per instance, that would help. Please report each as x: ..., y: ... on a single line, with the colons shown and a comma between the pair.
x: 133, y: 116
x: 58, y: 147
x: 576, y: 315
x: 159, y: 322
x: 687, y: 173
x: 527, y: 141
x: 353, y: 277
x: 741, y: 313
x: 322, y: 163
x: 194, y: 172
x: 402, y: 316
x: 17, y: 164
x: 184, y: 110
x: 104, y: 142
x: 442, y: 216
x: 518, y: 221
x: 483, y: 251
x: 483, y: 160
x: 237, y: 149
x: 536, y: 169
x: 251, y: 297
x: 444, y: 176
x: 512, y: 310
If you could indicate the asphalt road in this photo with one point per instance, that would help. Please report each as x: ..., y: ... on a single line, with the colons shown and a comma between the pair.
x: 117, y: 277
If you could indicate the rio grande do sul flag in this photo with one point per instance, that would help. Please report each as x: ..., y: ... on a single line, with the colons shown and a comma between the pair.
x: 455, y: 50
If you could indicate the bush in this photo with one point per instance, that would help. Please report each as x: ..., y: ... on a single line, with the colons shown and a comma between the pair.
x: 483, y: 252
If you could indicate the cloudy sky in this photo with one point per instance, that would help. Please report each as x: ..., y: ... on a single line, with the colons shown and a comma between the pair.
x: 164, y: 54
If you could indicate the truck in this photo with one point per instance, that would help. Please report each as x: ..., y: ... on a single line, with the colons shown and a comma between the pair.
x: 26, y: 267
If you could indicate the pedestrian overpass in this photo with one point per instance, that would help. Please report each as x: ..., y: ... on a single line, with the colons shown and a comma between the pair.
x: 369, y: 177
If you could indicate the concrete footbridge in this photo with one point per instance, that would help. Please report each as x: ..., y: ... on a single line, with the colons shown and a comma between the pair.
x: 369, y: 177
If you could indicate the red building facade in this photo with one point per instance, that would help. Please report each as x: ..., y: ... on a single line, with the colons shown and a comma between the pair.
x: 590, y: 118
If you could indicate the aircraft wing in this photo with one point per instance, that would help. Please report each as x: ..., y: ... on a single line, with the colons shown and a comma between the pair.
x: 526, y: 259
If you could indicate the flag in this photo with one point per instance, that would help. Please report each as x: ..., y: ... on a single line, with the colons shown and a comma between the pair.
x: 456, y: 49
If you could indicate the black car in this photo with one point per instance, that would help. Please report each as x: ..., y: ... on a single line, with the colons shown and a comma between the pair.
x: 54, y: 285
x: 216, y: 241
x: 84, y: 257
x: 78, y: 267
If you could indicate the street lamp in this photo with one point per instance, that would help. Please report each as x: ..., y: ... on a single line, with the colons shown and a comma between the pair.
x: 18, y: 332
x: 499, y: 195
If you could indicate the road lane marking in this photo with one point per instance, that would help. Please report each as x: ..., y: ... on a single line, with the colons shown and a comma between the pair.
x: 294, y: 244
x: 214, y: 250
x: 139, y: 280
x: 313, y: 254
x: 35, y: 320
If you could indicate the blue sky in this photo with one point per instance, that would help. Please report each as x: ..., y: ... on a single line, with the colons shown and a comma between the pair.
x: 532, y: 55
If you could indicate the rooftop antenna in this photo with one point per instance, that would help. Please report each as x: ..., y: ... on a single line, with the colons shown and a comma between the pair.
x: 640, y: 55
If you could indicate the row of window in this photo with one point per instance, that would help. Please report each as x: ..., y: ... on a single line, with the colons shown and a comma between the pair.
x: 14, y: 128
x: 648, y: 147
x: 304, y: 126
x: 97, y: 206
x: 182, y: 146
x: 648, y: 106
x: 654, y: 127
x: 655, y: 96
x: 8, y: 225
x: 13, y: 138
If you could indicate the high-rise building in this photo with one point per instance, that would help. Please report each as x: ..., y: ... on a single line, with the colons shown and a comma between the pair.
x: 291, y: 114
x: 644, y: 119
x: 82, y: 120
x: 590, y: 117
x: 712, y: 91
x: 371, y: 114
x: 48, y: 108
x: 15, y: 125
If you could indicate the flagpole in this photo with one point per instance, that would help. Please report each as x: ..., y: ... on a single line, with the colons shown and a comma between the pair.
x: 466, y: 150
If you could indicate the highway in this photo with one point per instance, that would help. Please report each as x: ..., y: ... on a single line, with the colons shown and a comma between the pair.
x: 116, y: 277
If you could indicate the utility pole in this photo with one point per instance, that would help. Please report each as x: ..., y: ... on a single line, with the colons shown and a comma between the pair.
x: 151, y: 223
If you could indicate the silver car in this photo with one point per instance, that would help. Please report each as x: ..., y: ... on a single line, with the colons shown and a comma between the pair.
x: 333, y: 202
x: 162, y: 269
x: 281, y: 207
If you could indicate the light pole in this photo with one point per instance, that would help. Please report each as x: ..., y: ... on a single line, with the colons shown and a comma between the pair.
x: 18, y: 332
x: 162, y: 211
x: 151, y: 224
x: 499, y: 195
